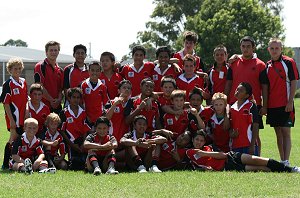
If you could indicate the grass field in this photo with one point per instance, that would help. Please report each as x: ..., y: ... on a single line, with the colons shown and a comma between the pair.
x: 167, y: 184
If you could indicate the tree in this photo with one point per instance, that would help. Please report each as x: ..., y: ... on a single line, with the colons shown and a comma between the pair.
x: 16, y: 43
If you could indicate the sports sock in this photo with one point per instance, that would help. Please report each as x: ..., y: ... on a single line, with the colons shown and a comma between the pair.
x: 276, y: 166
x: 154, y: 160
x: 7, y: 155
x: 93, y: 161
x: 137, y: 160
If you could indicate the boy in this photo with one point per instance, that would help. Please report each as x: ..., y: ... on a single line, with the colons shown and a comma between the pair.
x: 27, y: 149
x: 100, y: 146
x: 74, y: 128
x: 142, y: 146
x: 281, y: 75
x: 76, y: 72
x: 35, y: 107
x: 189, y: 42
x: 94, y: 93
x: 14, y: 99
x: 108, y: 76
x: 53, y: 142
x: 137, y: 71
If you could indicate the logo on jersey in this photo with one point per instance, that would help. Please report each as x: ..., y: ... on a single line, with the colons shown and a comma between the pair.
x: 196, y: 156
x: 24, y: 148
x: 88, y: 91
x: 170, y: 121
x: 70, y: 120
x: 117, y: 110
x: 103, y: 81
x: 165, y: 146
x: 155, y: 77
x: 16, y: 91
x: 131, y: 74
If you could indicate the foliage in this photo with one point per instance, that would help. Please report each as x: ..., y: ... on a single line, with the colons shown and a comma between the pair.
x: 16, y: 43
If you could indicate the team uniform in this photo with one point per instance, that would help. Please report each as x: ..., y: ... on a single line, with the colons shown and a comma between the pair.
x: 94, y: 138
x: 52, y: 79
x: 40, y: 115
x: 112, y: 84
x: 189, y: 84
x: 15, y: 95
x: 242, y: 119
x: 94, y: 97
x: 25, y: 149
x: 130, y: 73
x: 158, y: 74
x: 58, y: 150
x: 74, y: 75
x: 217, y: 79
x: 199, y: 64
x: 279, y: 74
x: 206, y: 113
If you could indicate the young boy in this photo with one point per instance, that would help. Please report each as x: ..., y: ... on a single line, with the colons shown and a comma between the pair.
x: 206, y: 158
x: 142, y: 146
x: 27, y: 149
x: 189, y: 42
x: 36, y: 108
x: 163, y: 68
x: 100, y: 146
x: 137, y: 71
x: 14, y: 99
x: 53, y: 142
x: 108, y: 76
x: 94, y: 93
x: 74, y: 129
x: 189, y: 79
x: 244, y: 121
x: 218, y: 72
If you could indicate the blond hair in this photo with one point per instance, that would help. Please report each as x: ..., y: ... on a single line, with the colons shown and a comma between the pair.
x: 14, y: 62
x: 275, y: 40
x: 219, y: 96
x: 178, y: 94
x: 52, y: 117
x: 31, y: 120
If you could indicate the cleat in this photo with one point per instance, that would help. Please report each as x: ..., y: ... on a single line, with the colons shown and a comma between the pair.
x: 97, y: 171
x: 48, y: 170
x: 112, y: 171
x: 141, y: 169
x: 295, y: 169
x: 28, y: 166
x: 154, y: 169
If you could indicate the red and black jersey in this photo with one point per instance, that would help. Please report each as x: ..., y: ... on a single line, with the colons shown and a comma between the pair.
x: 177, y: 125
x: 61, y: 147
x: 242, y: 119
x: 217, y: 79
x: 25, y: 149
x: 206, y: 113
x: 111, y: 83
x: 94, y: 98
x: 40, y: 114
x: 51, y: 77
x: 216, y: 164
x: 246, y: 70
x: 15, y: 95
x: 189, y: 84
x: 179, y: 55
x: 164, y: 101
x: 73, y: 75
x: 75, y: 126
x: 279, y: 76
x: 158, y: 74
x: 95, y: 138
x: 151, y: 114
x: 130, y: 73
x: 220, y: 136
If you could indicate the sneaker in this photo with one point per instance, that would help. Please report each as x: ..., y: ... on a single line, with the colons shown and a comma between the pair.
x: 28, y: 166
x: 48, y: 170
x: 286, y: 162
x: 295, y: 169
x: 97, y: 171
x: 112, y: 171
x: 141, y: 169
x: 154, y: 169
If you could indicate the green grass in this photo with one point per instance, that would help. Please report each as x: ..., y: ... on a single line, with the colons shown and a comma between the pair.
x: 167, y: 184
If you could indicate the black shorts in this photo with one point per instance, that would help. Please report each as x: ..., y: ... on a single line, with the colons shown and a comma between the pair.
x: 19, y: 130
x: 277, y: 117
x: 260, y: 121
x: 234, y: 162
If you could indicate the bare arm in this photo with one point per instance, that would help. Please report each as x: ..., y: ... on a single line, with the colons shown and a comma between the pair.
x: 289, y: 106
x: 216, y: 155
x: 228, y: 87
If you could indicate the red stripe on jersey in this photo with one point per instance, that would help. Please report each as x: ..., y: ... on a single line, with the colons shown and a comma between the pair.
x: 40, y: 114
x: 178, y: 125
x: 188, y: 85
x: 217, y: 79
x: 158, y: 74
x: 179, y: 55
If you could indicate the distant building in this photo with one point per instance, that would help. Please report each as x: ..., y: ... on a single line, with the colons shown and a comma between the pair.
x: 297, y: 59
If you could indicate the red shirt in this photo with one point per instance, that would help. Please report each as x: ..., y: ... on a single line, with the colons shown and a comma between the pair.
x: 111, y: 84
x: 133, y: 136
x: 94, y: 138
x: 189, y: 84
x: 249, y: 71
x: 280, y: 73
x: 216, y: 164
x: 15, y: 95
x: 75, y: 125
x: 50, y: 77
x: 220, y: 136
x: 241, y: 120
x: 130, y: 73
x: 54, y: 149
x: 206, y: 113
x: 217, y: 79
x: 26, y: 149
x: 163, y: 100
x: 40, y: 114
x: 94, y: 98
x: 166, y: 161
x: 73, y: 75
x: 177, y: 125
x: 158, y: 74
x: 179, y: 55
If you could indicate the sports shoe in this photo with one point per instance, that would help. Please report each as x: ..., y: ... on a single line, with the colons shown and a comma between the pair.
x: 141, y: 169
x: 48, y: 170
x: 28, y: 166
x: 112, y: 171
x: 286, y: 162
x: 154, y: 169
x: 295, y: 169
x: 97, y: 171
